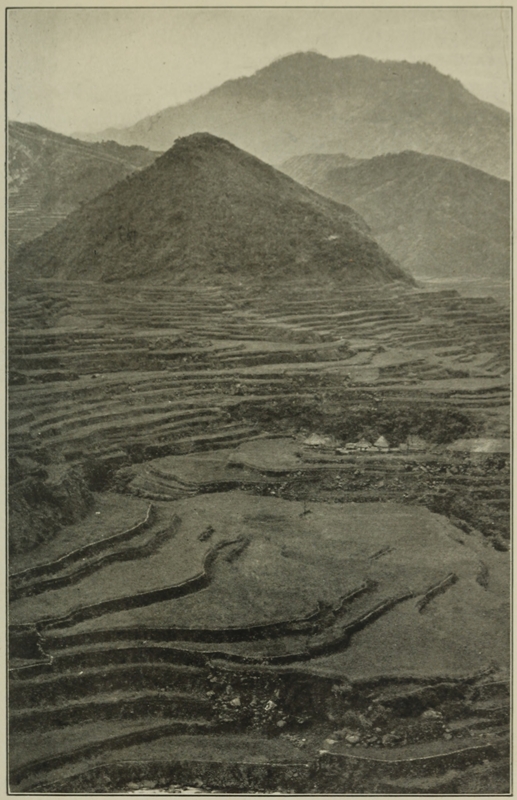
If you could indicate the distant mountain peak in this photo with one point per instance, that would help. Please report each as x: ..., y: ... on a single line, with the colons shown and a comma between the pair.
x: 308, y: 102
x: 312, y: 58
x: 306, y: 58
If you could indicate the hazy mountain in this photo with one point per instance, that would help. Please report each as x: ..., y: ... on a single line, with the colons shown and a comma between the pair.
x: 307, y: 102
x: 51, y: 174
x: 206, y: 207
x: 311, y: 166
x: 435, y: 216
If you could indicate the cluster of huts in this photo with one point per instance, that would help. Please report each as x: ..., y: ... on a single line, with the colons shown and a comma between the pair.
x: 413, y: 443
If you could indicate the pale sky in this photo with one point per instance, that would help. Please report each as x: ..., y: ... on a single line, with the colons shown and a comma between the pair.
x: 85, y: 69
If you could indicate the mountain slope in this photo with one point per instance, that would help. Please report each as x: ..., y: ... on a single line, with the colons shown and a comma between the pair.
x: 50, y: 175
x: 206, y: 207
x: 435, y: 216
x: 307, y: 102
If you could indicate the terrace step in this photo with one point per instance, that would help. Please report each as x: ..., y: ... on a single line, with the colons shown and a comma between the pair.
x: 97, y: 654
x: 492, y: 778
x: 429, y: 760
x: 94, y: 416
x: 57, y: 686
x: 465, y: 725
x: 76, y: 742
x: 184, y: 759
x: 87, y: 552
x: 148, y: 421
x: 147, y: 544
x: 492, y: 689
x: 236, y: 763
x: 116, y: 705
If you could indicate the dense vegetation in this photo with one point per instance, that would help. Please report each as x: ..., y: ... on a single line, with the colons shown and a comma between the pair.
x: 206, y: 207
x: 369, y: 419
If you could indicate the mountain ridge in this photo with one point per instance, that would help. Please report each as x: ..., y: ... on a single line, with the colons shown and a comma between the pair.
x: 307, y: 102
x: 51, y: 174
x: 435, y: 216
x: 206, y: 206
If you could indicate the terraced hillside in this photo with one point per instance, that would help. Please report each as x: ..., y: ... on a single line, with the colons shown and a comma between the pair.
x: 50, y: 175
x: 199, y: 594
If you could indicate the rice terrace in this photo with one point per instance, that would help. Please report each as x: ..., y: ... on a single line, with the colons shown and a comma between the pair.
x: 259, y: 472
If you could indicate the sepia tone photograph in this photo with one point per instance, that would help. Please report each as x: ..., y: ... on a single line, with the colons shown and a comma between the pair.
x: 258, y: 303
